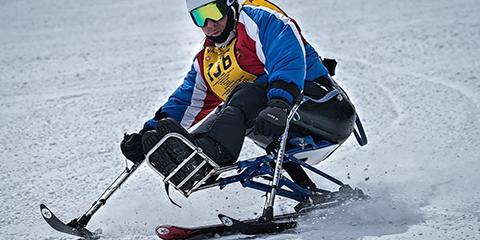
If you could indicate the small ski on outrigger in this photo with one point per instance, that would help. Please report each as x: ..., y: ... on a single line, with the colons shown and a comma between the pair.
x: 68, y: 228
x: 77, y: 226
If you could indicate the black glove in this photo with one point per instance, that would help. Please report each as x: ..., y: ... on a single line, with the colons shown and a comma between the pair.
x: 131, y: 147
x: 272, y: 120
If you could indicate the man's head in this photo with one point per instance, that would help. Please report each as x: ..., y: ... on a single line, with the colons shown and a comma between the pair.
x: 214, y: 17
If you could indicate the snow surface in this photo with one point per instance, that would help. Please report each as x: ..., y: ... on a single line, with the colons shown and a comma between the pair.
x: 75, y: 75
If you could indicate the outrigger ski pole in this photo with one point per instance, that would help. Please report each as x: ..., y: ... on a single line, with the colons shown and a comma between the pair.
x: 77, y: 226
x: 266, y: 223
x: 267, y: 215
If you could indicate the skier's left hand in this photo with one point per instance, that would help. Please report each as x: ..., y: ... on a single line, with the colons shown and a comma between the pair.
x: 131, y: 147
x: 272, y: 120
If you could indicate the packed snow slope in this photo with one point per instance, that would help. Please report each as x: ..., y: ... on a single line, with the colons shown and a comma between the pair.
x: 75, y: 75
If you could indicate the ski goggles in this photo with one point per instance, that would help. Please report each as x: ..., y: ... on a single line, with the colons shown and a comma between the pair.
x: 212, y: 11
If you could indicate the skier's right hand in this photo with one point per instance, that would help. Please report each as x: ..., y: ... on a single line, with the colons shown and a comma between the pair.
x: 131, y: 147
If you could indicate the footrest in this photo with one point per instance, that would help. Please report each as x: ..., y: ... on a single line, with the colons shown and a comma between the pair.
x: 197, y: 167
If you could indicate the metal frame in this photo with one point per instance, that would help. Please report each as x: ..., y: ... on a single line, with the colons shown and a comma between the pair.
x: 260, y: 167
x: 256, y: 167
x: 251, y: 170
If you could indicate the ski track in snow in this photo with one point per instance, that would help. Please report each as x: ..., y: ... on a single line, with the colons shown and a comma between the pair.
x: 75, y: 75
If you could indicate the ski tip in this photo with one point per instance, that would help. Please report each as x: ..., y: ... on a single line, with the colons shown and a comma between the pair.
x: 226, y: 220
x: 169, y: 232
x: 46, y: 213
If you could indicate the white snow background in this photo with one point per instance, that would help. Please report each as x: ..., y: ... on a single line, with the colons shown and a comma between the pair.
x: 75, y: 75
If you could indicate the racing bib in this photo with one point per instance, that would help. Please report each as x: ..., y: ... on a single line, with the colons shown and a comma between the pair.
x: 221, y: 70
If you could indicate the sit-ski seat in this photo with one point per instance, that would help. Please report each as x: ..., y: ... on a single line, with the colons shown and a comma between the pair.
x: 326, y: 118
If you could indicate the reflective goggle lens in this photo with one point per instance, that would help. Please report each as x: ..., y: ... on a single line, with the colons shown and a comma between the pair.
x: 210, y: 11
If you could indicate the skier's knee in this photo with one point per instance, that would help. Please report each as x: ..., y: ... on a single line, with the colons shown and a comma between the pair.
x: 216, y: 151
x: 250, y: 98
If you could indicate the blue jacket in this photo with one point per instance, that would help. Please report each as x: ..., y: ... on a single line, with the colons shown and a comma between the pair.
x: 269, y: 46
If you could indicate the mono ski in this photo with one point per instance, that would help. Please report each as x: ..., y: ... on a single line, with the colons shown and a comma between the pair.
x: 230, y: 226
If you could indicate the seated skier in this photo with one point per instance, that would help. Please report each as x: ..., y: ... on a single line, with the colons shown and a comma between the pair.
x: 256, y: 62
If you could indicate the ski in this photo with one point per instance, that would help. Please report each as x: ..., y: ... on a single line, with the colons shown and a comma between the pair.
x: 230, y: 226
x: 257, y: 227
x: 169, y: 232
x: 60, y: 226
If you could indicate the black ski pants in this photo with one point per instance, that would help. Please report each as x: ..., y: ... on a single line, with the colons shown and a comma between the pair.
x: 228, y: 125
